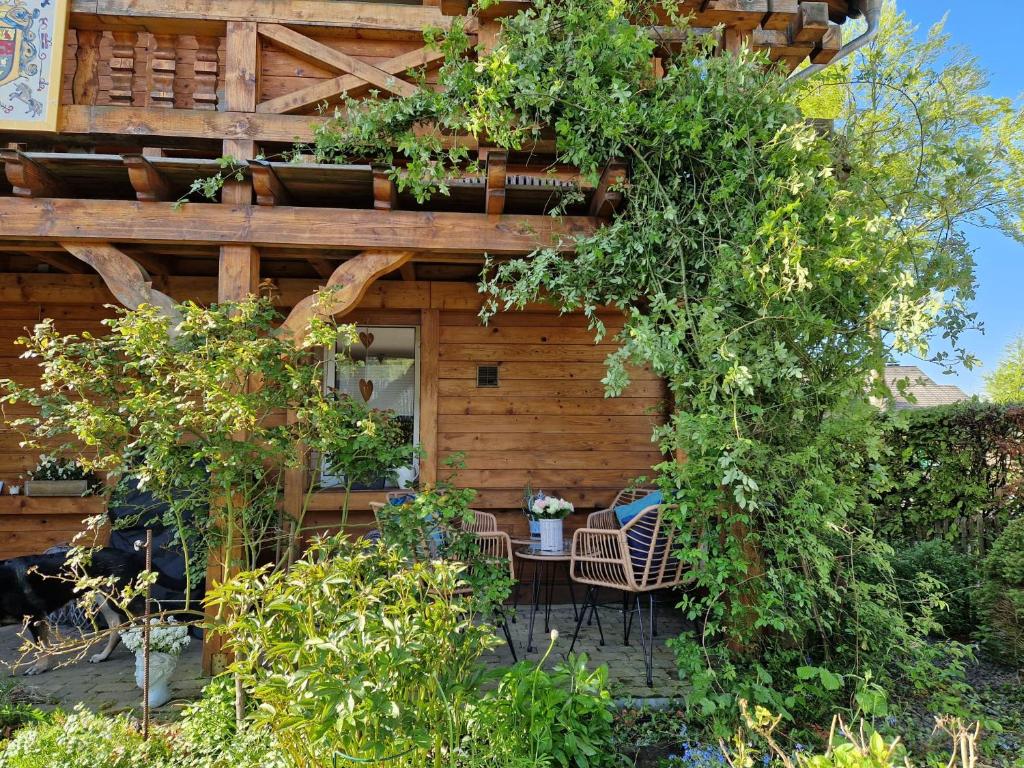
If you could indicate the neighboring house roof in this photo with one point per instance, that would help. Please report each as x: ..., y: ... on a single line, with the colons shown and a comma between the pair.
x: 925, y: 391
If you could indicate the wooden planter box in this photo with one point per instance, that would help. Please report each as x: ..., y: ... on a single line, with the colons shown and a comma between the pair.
x: 56, y: 487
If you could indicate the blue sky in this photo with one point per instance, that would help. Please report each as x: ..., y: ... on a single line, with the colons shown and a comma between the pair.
x: 993, y: 30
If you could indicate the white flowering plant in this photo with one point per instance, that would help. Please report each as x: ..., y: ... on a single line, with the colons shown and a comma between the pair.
x: 56, y: 468
x: 165, y: 635
x: 551, y: 508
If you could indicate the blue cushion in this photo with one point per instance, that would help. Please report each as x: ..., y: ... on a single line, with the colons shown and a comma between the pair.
x: 638, y: 541
x: 398, y: 501
x: 627, y: 512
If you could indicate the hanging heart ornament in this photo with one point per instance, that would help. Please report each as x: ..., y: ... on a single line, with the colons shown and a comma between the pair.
x: 366, y: 389
x: 366, y: 339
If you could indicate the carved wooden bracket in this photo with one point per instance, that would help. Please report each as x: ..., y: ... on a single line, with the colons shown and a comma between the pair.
x: 128, y: 281
x: 349, y: 283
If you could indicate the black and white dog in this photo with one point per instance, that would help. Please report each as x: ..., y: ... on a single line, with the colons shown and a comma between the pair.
x: 34, y: 586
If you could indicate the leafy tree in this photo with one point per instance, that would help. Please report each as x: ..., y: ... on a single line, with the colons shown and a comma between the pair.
x: 196, y: 414
x: 1006, y: 383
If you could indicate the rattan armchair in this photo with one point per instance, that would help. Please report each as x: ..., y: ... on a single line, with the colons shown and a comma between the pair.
x: 605, y: 518
x: 638, y: 559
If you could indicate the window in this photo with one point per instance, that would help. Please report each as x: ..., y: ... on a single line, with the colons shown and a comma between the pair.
x: 384, y: 373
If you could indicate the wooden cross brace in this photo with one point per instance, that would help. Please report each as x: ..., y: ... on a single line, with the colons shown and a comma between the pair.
x: 354, y: 74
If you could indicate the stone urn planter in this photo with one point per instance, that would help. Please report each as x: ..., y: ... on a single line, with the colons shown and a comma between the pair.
x: 161, y: 669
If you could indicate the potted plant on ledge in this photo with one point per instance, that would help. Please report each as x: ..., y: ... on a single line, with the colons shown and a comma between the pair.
x: 550, y: 511
x: 58, y: 477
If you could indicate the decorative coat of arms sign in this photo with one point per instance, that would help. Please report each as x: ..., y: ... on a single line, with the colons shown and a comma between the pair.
x: 31, y: 55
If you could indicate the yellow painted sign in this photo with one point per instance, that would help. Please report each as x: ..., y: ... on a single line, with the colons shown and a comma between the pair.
x: 31, y: 54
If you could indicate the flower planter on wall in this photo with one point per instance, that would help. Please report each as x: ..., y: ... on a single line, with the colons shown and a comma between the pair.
x: 56, y: 487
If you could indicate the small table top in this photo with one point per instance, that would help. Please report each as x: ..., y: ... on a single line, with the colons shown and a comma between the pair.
x: 532, y: 551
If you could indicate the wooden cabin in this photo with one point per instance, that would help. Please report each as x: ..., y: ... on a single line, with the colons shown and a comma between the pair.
x: 116, y: 106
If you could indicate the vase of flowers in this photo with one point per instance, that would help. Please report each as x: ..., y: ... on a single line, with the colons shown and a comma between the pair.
x: 529, y: 497
x: 549, y: 512
x: 167, y: 639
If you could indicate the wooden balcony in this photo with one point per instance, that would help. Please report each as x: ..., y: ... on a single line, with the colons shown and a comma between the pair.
x: 198, y: 72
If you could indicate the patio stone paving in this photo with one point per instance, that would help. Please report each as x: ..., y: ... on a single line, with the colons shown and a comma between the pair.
x: 110, y: 686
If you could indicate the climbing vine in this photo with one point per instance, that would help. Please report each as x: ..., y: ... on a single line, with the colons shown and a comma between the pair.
x: 767, y: 269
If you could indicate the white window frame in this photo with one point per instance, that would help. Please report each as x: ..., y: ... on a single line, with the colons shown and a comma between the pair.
x: 328, y: 480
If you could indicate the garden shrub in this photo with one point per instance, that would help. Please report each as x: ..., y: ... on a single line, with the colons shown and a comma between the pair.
x: 951, y: 467
x: 83, y: 739
x: 534, y: 717
x: 1001, y: 599
x: 356, y: 653
x: 948, y: 574
x: 208, y: 735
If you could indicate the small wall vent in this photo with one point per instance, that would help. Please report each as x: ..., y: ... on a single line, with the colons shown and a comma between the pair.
x: 487, y: 376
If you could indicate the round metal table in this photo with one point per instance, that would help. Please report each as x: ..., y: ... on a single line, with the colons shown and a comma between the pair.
x: 545, y: 567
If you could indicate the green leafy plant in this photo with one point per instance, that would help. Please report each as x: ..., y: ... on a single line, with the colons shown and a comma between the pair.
x: 374, y: 448
x: 207, y: 736
x: 357, y: 654
x: 432, y: 524
x: 82, y: 738
x: 563, y: 717
x: 1001, y: 598
x: 1006, y: 383
x: 935, y: 567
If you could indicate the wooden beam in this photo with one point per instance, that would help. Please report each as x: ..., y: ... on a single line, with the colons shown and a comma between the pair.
x: 126, y: 221
x: 61, y: 261
x: 149, y: 184
x: 408, y: 272
x: 317, y: 53
x: 607, y: 199
x: 345, y: 289
x: 781, y: 13
x: 154, y: 265
x: 28, y: 178
x: 811, y: 23
x: 208, y: 17
x: 123, y: 276
x: 323, y: 267
x: 267, y: 186
x: 385, y: 191
x: 124, y: 122
x: 326, y: 90
x: 497, y: 172
x: 829, y: 45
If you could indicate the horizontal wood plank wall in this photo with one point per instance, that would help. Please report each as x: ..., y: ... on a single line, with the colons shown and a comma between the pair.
x: 31, y: 525
x: 547, y: 422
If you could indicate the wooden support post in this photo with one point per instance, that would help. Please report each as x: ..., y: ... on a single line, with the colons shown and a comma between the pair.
x: 28, y: 178
x: 122, y: 68
x: 85, y: 85
x: 497, y: 169
x: 149, y: 184
x: 205, y: 94
x: 162, y: 66
x: 238, y: 273
x: 430, y: 333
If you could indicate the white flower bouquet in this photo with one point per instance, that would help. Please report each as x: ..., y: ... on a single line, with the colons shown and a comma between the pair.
x: 551, y: 508
x: 165, y: 636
